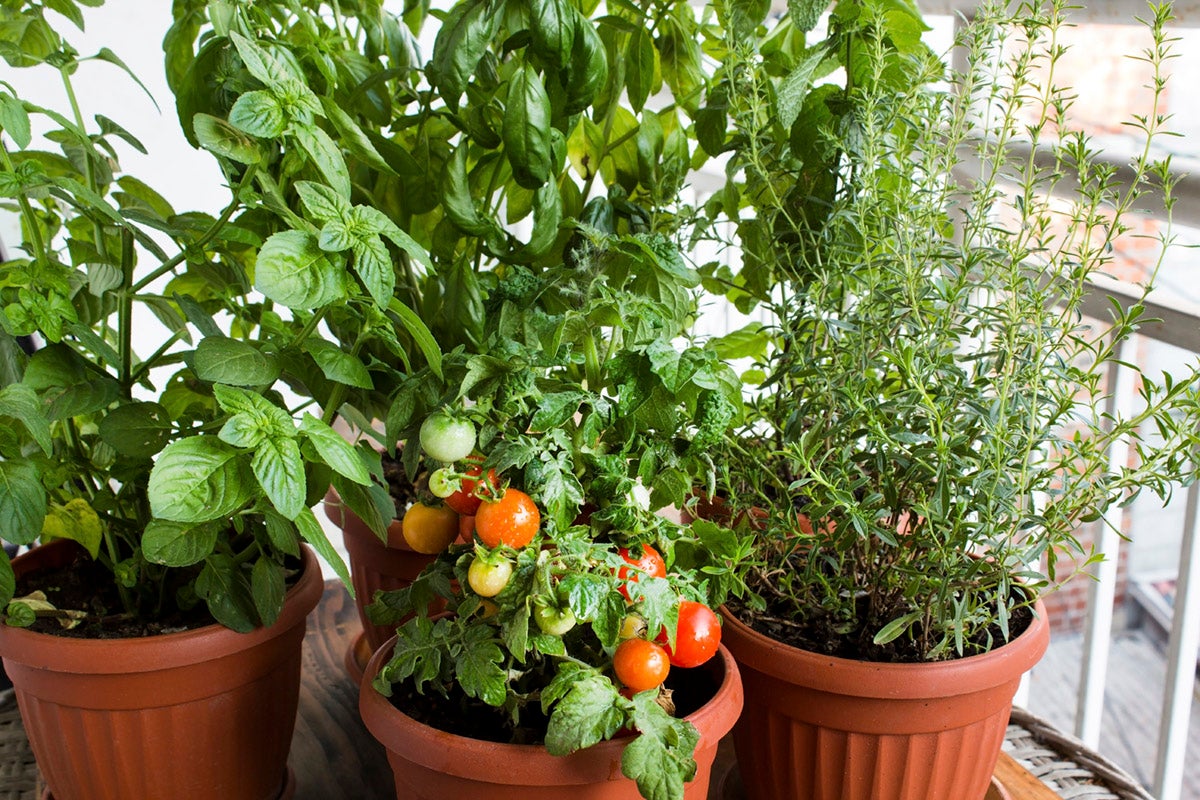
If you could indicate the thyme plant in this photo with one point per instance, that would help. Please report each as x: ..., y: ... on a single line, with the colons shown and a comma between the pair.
x: 934, y: 425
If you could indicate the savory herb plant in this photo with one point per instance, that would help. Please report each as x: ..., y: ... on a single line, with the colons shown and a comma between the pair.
x: 933, y: 425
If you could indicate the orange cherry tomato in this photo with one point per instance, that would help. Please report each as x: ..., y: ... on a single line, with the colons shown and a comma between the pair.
x: 650, y: 563
x: 513, y: 520
x: 641, y: 664
x: 429, y: 529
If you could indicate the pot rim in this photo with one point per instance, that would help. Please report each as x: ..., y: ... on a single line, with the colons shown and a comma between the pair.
x: 494, y: 762
x: 909, y: 681
x: 164, y: 651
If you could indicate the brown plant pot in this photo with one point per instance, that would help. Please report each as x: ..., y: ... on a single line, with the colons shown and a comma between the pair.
x: 195, y: 715
x: 374, y: 566
x: 429, y: 764
x: 818, y: 727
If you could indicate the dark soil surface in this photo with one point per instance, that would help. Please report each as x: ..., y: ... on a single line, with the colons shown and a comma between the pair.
x: 465, y: 716
x: 402, y: 489
x: 85, y: 585
x: 817, y: 635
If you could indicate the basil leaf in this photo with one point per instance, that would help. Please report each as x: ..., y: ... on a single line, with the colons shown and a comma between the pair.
x: 198, y: 479
x: 526, y: 131
x: 552, y: 23
x: 279, y: 467
x: 237, y: 363
x: 293, y: 271
x: 175, y: 544
x: 259, y: 114
x: 640, y: 60
x: 460, y: 44
x: 138, y: 430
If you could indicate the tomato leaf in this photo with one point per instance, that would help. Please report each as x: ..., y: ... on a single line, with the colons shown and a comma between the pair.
x: 478, y: 666
x: 660, y: 759
x: 584, y: 709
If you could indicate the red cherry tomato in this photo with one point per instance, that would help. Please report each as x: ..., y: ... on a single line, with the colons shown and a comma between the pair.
x: 465, y: 501
x: 512, y: 520
x: 640, y: 664
x: 650, y: 563
x: 697, y: 636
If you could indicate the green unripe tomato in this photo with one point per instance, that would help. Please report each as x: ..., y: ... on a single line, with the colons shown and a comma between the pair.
x: 554, y: 621
x: 488, y: 579
x: 444, y: 438
x: 441, y: 484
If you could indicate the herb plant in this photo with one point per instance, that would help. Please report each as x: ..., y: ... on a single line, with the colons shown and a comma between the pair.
x: 933, y: 425
x: 178, y: 463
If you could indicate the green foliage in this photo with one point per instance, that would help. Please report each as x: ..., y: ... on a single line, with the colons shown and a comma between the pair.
x: 932, y: 425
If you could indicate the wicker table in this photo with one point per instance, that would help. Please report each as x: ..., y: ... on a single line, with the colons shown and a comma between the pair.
x: 333, y: 757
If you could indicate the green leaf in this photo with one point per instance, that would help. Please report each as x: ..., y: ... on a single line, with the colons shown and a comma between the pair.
x: 110, y: 57
x: 373, y: 264
x: 321, y: 202
x: 526, y: 130
x: 398, y: 237
x: 893, y: 629
x: 281, y: 532
x: 266, y: 416
x: 587, y: 69
x: 137, y: 429
x: 267, y: 587
x: 199, y: 479
x: 14, y: 120
x: 22, y: 502
x: 234, y: 362
x: 420, y: 333
x: 259, y: 114
x: 335, y: 451
x: 274, y: 72
x: 640, y: 61
x: 314, y: 534
x: 326, y: 156
x: 21, y: 403
x: 660, y: 760
x: 806, y: 13
x: 76, y: 521
x: 555, y: 409
x: 175, y: 544
x: 457, y: 200
x: 479, y: 666
x: 225, y: 589
x: 68, y: 385
x: 293, y: 271
x: 354, y: 139
x: 223, y: 139
x: 586, y: 713
x: 279, y: 467
x: 338, y: 365
x: 552, y: 23
x: 749, y: 341
x: 460, y: 44
x: 794, y: 88
x: 8, y: 581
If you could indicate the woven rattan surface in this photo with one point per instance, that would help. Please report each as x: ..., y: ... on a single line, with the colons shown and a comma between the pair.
x: 18, y: 772
x: 1064, y: 764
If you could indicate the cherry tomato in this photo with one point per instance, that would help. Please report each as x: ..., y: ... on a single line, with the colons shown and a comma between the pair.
x: 429, y: 529
x: 650, y: 563
x: 554, y: 621
x: 443, y: 486
x: 488, y: 578
x: 696, y: 638
x: 465, y: 501
x: 632, y: 626
x: 641, y: 664
x: 445, y: 438
x: 512, y: 520
x: 466, y: 529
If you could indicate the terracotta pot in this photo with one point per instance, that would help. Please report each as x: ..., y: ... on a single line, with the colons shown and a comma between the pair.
x: 818, y: 727
x: 196, y: 715
x: 434, y: 765
x: 374, y: 566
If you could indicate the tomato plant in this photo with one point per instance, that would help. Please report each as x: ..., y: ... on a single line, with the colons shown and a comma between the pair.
x: 429, y: 529
x: 513, y: 520
x: 648, y: 563
x: 488, y: 577
x: 446, y: 438
x: 641, y: 664
x: 697, y: 635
